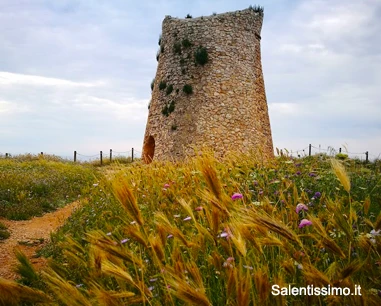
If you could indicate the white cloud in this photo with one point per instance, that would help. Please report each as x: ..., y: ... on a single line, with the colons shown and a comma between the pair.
x: 284, y: 108
x: 333, y: 20
x: 8, y: 78
x: 7, y: 108
x: 130, y: 109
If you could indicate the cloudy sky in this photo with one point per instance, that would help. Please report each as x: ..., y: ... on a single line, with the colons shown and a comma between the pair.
x: 76, y: 74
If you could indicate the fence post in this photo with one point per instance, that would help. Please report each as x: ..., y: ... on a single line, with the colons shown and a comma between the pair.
x: 339, y: 150
x: 132, y: 155
x: 101, y: 158
x: 110, y: 156
x: 75, y: 156
x: 309, y: 150
x: 366, y: 156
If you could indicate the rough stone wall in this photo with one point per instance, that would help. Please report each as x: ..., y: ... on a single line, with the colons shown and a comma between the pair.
x: 227, y: 109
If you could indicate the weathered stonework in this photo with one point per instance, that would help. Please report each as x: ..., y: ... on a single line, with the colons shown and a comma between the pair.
x: 227, y: 109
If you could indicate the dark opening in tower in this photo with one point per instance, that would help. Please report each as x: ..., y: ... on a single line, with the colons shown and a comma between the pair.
x: 149, y: 150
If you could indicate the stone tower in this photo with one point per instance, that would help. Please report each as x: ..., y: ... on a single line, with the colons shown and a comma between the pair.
x: 208, y: 89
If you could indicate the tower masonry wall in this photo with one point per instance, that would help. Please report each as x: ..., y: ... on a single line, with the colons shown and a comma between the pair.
x: 227, y: 109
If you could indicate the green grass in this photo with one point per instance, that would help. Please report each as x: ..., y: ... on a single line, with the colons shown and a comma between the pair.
x: 4, y: 233
x: 32, y: 185
x: 174, y: 234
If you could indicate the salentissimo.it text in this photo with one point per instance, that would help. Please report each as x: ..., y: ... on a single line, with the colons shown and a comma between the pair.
x: 311, y: 290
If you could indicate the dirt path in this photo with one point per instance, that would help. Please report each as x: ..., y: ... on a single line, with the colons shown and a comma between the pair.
x: 28, y: 236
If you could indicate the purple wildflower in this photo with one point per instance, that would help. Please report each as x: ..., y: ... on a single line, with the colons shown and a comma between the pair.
x: 228, y: 263
x: 311, y: 174
x: 298, y: 173
x: 317, y: 194
x: 224, y: 234
x: 166, y: 186
x: 300, y: 207
x: 237, y: 196
x: 199, y: 208
x: 169, y: 236
x: 305, y: 222
x: 124, y: 241
x: 260, y: 192
x: 187, y: 218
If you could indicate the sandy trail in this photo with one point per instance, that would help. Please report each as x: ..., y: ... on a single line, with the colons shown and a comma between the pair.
x: 32, y: 234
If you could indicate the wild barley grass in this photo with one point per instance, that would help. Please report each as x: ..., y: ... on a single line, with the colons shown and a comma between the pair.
x: 174, y: 234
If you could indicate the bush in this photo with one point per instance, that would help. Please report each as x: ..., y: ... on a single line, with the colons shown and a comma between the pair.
x: 162, y: 85
x: 188, y: 16
x: 257, y: 9
x: 174, y: 127
x: 171, y: 107
x: 188, y: 89
x: 152, y: 84
x: 4, y: 234
x: 177, y: 48
x: 162, y: 49
x: 159, y: 40
x: 201, y: 56
x: 169, y: 89
x: 341, y: 156
x: 186, y: 43
x: 168, y: 109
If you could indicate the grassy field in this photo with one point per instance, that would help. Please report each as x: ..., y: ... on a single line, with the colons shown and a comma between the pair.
x: 217, y: 233
x: 32, y: 185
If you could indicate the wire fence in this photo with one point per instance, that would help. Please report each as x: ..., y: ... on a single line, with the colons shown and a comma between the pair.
x: 102, y: 156
x: 312, y: 150
x: 135, y: 154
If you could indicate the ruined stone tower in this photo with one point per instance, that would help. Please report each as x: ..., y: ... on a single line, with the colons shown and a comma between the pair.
x: 208, y: 89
